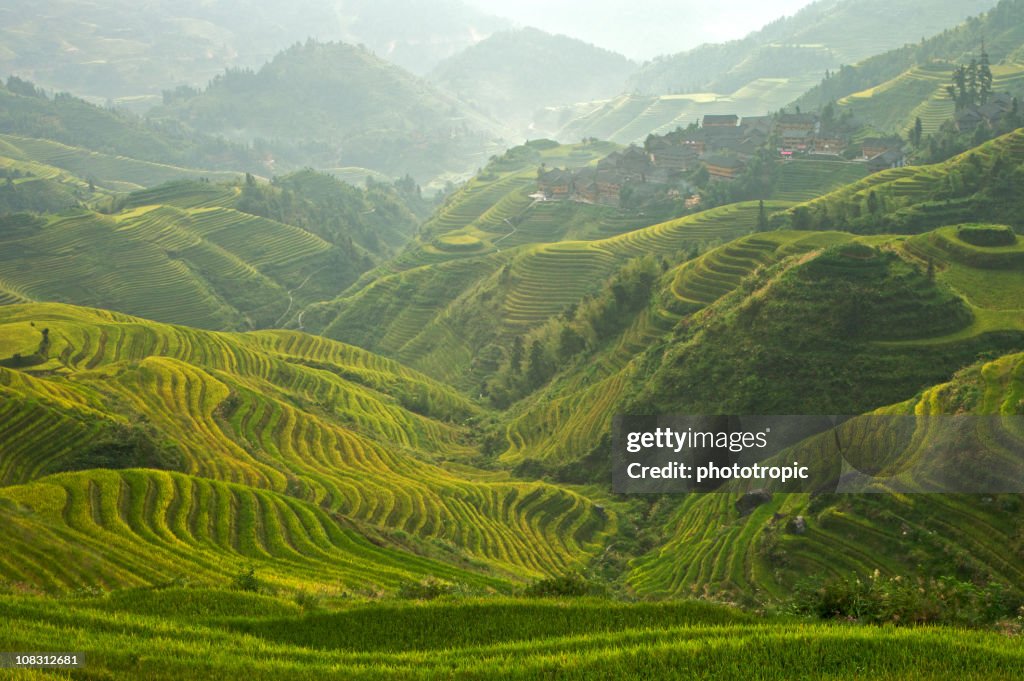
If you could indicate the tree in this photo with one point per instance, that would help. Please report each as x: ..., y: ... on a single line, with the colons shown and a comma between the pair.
x: 984, y: 77
x: 872, y: 202
x: 801, y: 218
x: 972, y: 82
x: 917, y: 132
x: 515, y: 360
x: 570, y: 343
x: 762, y: 217
x: 537, y: 372
x: 828, y: 115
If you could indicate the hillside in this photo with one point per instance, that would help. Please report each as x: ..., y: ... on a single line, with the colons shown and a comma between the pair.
x: 356, y: 110
x: 821, y: 36
x: 129, y: 53
x: 920, y: 93
x: 976, y: 185
x: 211, y: 256
x: 359, y: 438
x: 763, y: 72
x: 999, y: 29
x: 973, y: 536
x: 27, y: 112
x: 494, y: 264
x: 569, y: 419
x: 512, y: 74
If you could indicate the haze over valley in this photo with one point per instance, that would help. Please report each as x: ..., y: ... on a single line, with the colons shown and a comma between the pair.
x: 320, y: 322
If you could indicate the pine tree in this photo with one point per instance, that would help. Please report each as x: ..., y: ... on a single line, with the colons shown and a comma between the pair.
x: 984, y: 77
x: 872, y: 202
x: 762, y: 217
x: 917, y: 133
x: 972, y: 83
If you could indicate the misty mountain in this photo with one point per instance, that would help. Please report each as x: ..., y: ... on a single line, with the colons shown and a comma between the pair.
x: 339, y: 105
x: 129, y: 51
x: 1000, y: 30
x: 822, y: 36
x: 512, y: 74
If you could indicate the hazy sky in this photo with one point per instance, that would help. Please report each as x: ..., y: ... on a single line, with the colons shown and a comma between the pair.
x: 641, y: 29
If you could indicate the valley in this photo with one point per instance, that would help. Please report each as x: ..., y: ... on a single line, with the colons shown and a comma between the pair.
x: 311, y: 371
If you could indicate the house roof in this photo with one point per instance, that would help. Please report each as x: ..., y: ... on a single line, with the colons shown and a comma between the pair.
x: 890, y: 142
x: 556, y: 176
x: 721, y: 161
x: 720, y: 119
x: 797, y: 119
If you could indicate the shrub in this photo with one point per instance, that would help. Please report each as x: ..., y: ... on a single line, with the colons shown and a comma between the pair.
x: 246, y: 580
x: 900, y: 600
x: 569, y: 585
x: 426, y: 590
x: 987, y: 235
x: 306, y: 600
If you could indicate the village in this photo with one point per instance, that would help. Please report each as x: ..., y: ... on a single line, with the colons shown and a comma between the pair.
x: 670, y: 165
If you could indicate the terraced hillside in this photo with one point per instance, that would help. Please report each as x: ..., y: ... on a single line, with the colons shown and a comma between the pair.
x: 117, y: 173
x: 207, y: 267
x: 998, y: 30
x: 807, y: 179
x: 437, y: 318
x: 357, y: 436
x: 135, y: 528
x: 976, y: 185
x: 921, y: 93
x: 173, y: 632
x: 630, y: 118
x: 201, y: 254
x: 711, y: 547
x: 569, y: 420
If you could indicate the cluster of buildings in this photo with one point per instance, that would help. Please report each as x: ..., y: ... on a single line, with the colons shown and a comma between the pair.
x: 724, y: 144
x: 603, y: 183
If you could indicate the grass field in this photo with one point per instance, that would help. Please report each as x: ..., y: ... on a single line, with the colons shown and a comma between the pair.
x: 165, y: 635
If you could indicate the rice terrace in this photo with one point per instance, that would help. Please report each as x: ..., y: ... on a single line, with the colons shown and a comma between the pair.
x: 323, y: 327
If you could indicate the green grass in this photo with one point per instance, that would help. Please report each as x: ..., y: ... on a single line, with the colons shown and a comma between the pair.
x: 508, y: 639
